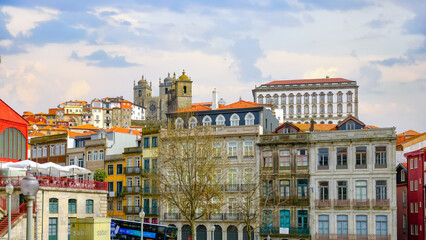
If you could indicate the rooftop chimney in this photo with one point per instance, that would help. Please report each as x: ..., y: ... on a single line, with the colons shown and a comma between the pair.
x: 214, y: 99
x: 327, y: 77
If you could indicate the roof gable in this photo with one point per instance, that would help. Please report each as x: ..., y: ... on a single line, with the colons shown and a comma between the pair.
x: 348, y: 119
x: 7, y: 113
x: 287, y: 125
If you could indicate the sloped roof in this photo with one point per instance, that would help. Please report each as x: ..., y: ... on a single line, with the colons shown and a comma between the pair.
x: 11, y: 115
x: 408, y: 133
x: 124, y: 130
x: 36, y: 134
x: 307, y: 81
x: 202, y: 103
x: 196, y: 108
x: 350, y: 117
x: 240, y: 104
x: 317, y: 127
x: 286, y: 124
x: 85, y: 126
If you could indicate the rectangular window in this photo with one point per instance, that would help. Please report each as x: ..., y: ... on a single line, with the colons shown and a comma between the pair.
x: 58, y: 152
x: 110, y: 186
x: 302, y: 157
x: 72, y: 206
x: 342, y: 158
x: 323, y: 224
x: 330, y: 98
x: 361, y: 190
x: 323, y: 158
x: 34, y: 152
x: 323, y: 190
x: 81, y: 162
x: 89, y: 206
x: 110, y: 169
x: 248, y: 148
x: 299, y: 99
x: 267, y: 188
x: 63, y: 149
x: 361, y: 225
x: 44, y: 151
x: 381, y: 189
x: 342, y: 224
x: 154, y: 141
x: 232, y: 149
x: 380, y: 157
x: 53, y: 228
x: 416, y: 185
x: 146, y: 142
x: 381, y: 225
x: 95, y: 155
x: 53, y: 205
x: 284, y: 158
x: 52, y: 150
x: 361, y: 157
x: 89, y: 155
x: 342, y: 190
x: 284, y: 188
x: 302, y: 188
x: 119, y: 168
x: 267, y: 158
x: 119, y: 205
x: 101, y: 154
x: 39, y: 152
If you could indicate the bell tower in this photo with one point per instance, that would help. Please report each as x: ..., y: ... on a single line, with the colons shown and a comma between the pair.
x: 183, y: 88
x: 141, y: 92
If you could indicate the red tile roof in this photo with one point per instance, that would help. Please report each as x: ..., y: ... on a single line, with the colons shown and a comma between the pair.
x: 86, y: 126
x: 124, y: 130
x: 408, y: 133
x: 308, y: 81
x: 196, y: 108
x: 202, y: 103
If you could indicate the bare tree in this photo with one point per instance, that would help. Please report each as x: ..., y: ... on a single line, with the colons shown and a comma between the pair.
x: 189, y: 179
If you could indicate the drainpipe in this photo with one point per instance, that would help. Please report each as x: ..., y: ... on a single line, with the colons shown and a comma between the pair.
x: 42, y: 212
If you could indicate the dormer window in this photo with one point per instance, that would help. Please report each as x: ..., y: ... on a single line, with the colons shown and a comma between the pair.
x: 192, y: 122
x: 235, y: 120
x: 350, y: 125
x: 179, y: 123
x: 220, y: 120
x: 207, y: 121
x: 249, y: 119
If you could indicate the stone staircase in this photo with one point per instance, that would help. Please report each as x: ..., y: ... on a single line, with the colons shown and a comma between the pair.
x: 16, y: 214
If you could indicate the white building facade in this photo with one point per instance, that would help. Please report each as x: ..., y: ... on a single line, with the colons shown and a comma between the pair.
x: 352, y: 174
x: 138, y: 112
x: 328, y: 100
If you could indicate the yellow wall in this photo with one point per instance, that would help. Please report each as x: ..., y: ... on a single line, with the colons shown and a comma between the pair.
x: 114, y: 178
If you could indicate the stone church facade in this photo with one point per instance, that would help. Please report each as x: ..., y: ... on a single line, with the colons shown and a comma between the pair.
x: 175, y: 94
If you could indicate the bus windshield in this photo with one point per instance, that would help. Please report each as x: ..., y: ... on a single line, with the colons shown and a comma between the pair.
x: 129, y: 230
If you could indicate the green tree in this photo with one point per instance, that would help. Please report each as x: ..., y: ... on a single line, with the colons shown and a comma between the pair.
x: 99, y: 175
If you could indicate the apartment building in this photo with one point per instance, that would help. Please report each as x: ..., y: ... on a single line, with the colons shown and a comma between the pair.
x: 401, y: 194
x: 115, y: 168
x: 236, y: 128
x: 50, y: 148
x: 326, y: 100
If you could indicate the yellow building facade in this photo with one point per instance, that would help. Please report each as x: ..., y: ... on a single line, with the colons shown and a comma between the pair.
x: 114, y: 166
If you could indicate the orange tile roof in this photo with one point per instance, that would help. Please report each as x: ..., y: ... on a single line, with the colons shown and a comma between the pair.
x: 48, y: 128
x: 317, y: 127
x: 196, y: 108
x: 371, y: 126
x: 28, y: 113
x: 41, y: 123
x: 411, y: 140
x: 36, y: 134
x: 202, y: 103
x: 307, y: 81
x: 240, y: 104
x: 85, y: 126
x: 404, y: 164
x: 40, y: 113
x: 124, y: 130
x: 408, y: 133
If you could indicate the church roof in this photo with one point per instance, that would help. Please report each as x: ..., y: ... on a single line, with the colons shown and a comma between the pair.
x: 183, y: 77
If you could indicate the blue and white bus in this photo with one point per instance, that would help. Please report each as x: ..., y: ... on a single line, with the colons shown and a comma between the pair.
x: 129, y: 230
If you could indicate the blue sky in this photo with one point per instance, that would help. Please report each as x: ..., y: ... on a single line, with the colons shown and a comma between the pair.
x: 53, y: 51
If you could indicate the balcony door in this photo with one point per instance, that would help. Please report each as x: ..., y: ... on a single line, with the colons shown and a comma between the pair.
x: 302, y: 220
x: 284, y: 221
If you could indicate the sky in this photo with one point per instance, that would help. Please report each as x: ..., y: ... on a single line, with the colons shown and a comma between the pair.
x: 53, y: 51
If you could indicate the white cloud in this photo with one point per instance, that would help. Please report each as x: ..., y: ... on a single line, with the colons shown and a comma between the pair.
x: 22, y: 20
x: 321, y: 73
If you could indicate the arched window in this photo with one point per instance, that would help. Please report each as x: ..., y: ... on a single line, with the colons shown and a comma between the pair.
x: 276, y: 99
x: 220, y: 120
x: 12, y: 144
x: 322, y: 97
x: 314, y: 109
x: 330, y: 97
x: 349, y: 96
x: 192, y: 122
x: 339, y: 108
x: 53, y: 205
x: 306, y: 98
x: 349, y: 108
x: 207, y: 121
x: 330, y: 108
x: 184, y: 89
x: 299, y: 98
x: 314, y: 97
x: 322, y: 109
x: 268, y: 99
x: 306, y: 109
x: 179, y: 123
x: 299, y: 109
x: 235, y: 120
x: 291, y: 98
x: 249, y: 118
x: 284, y: 110
x: 260, y: 99
x: 291, y: 110
x: 339, y: 97
x: 283, y: 99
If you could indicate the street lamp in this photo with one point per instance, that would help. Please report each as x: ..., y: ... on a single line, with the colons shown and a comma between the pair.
x: 9, y: 191
x: 268, y: 237
x: 29, y: 188
x: 142, y: 216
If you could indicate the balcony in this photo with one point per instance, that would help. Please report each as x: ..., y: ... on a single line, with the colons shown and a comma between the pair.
x: 323, y: 203
x: 350, y: 237
x: 381, y: 203
x: 277, y: 231
x: 231, y: 216
x: 342, y: 203
x: 149, y: 191
x: 364, y: 203
x: 147, y: 172
x: 57, y: 183
x: 217, y: 216
x: 132, y: 189
x: 151, y: 211
x: 132, y: 170
x: 232, y: 187
x: 132, y: 209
